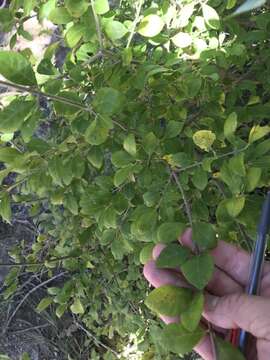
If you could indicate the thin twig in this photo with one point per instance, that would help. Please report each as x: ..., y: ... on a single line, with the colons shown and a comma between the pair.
x: 27, y: 295
x: 98, y: 28
x: 233, y: 152
x: 97, y: 341
x: 135, y: 22
x: 61, y: 99
x: 180, y: 187
x: 38, y: 263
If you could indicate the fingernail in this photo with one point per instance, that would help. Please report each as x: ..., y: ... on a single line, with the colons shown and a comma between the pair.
x: 211, y: 302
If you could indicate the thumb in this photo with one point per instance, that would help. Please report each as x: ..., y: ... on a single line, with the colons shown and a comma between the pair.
x: 250, y: 313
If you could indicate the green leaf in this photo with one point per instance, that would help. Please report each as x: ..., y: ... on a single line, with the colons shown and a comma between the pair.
x: 38, y: 145
x: 179, y: 340
x: 230, y: 125
x: 43, y: 304
x: 237, y: 165
x: 63, y: 108
x: 150, y: 26
x: 235, y: 205
x: 74, y: 34
x: 121, y: 159
x: 226, y: 351
x: 248, y: 5
x: 77, y: 307
x: 253, y: 178
x: 173, y: 129
x: 198, y: 270
x: 13, y: 115
x: 60, y: 310
x: 170, y: 231
x: 5, y: 207
x: 146, y: 253
x: 150, y: 143
x: 71, y: 203
x: 115, y: 30
x: 174, y: 255
x: 257, y: 132
x: 10, y: 156
x: 28, y: 6
x: 95, y: 157
x: 130, y: 144
x: 101, y: 6
x: 45, y: 9
x: 182, y: 40
x: 60, y: 16
x: 16, y: 68
x: 108, y: 101
x: 211, y: 17
x: 191, y: 317
x: 200, y: 179
x: 96, y: 133
x: 151, y: 198
x: 169, y: 300
x: 204, y: 235
x: 25, y: 356
x: 109, y: 218
x: 76, y: 8
x: 204, y: 139
x: 122, y: 175
x: 45, y: 67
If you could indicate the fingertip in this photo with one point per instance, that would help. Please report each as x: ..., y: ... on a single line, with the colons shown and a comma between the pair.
x: 169, y: 320
x: 148, y: 269
x: 186, y: 238
x: 157, y: 250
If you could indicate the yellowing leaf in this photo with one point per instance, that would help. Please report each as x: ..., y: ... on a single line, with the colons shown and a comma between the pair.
x: 257, y: 132
x: 204, y: 139
x: 101, y: 6
x: 77, y: 307
x: 235, y: 205
x: 192, y: 316
x: 182, y: 40
x: 169, y: 300
x: 177, y: 339
x: 150, y: 26
x: 43, y: 304
x: 253, y: 177
x: 115, y: 30
x: 230, y: 125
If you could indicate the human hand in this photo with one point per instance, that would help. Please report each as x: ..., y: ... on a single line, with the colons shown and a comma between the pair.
x: 226, y: 304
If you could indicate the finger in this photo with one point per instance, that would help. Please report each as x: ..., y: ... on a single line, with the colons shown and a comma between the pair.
x: 220, y: 284
x: 158, y: 277
x: 263, y: 349
x: 231, y: 259
x: 240, y: 311
x: 204, y: 348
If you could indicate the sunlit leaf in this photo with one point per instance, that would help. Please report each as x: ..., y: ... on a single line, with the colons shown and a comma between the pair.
x: 150, y: 26
x: 169, y: 300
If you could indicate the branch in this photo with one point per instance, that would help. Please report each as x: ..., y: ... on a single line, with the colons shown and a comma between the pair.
x: 180, y: 187
x: 56, y: 98
x: 97, y: 341
x: 135, y: 22
x: 38, y: 262
x: 27, y: 295
x: 97, y: 26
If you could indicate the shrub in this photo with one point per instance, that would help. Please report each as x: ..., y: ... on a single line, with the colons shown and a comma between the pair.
x: 156, y: 121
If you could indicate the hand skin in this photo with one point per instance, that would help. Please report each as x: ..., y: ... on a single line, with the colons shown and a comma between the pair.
x: 226, y: 304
